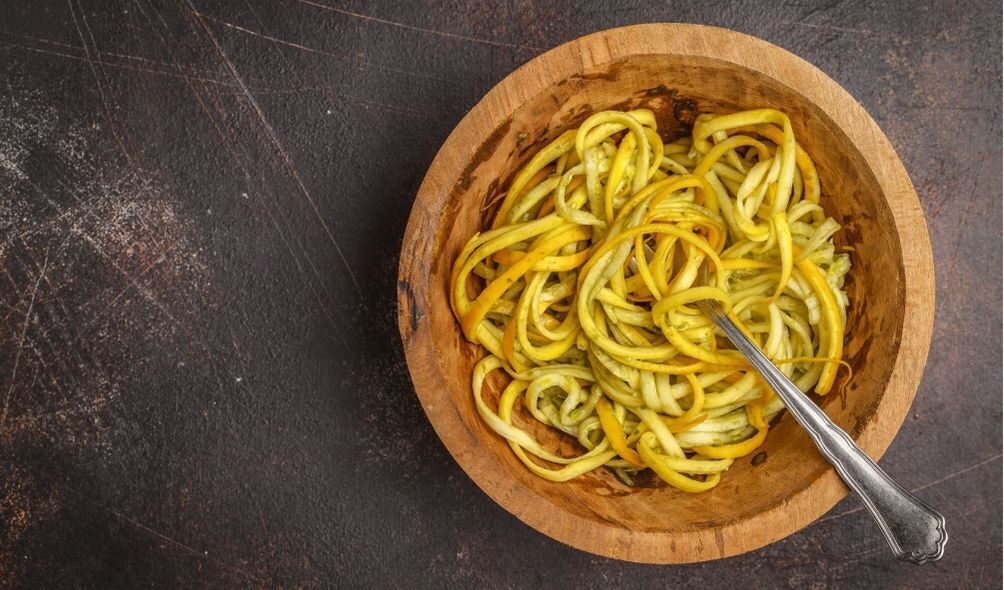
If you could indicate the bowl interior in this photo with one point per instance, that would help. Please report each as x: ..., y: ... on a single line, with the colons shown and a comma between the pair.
x: 677, y: 88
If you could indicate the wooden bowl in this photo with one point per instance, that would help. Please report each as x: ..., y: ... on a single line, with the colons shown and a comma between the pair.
x: 677, y: 71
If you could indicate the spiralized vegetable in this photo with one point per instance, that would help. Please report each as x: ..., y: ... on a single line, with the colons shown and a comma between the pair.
x: 583, y: 289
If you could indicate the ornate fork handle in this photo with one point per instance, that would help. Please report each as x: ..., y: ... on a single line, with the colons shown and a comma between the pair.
x: 915, y: 532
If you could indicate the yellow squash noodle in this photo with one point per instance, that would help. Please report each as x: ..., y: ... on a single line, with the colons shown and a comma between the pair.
x: 583, y: 291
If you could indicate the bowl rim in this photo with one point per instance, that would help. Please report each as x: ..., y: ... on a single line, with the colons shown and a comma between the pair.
x: 505, y: 98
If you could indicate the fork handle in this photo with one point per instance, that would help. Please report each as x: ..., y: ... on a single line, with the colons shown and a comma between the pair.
x: 915, y: 532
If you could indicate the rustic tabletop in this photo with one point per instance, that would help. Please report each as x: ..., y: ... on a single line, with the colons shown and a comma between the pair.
x: 201, y: 205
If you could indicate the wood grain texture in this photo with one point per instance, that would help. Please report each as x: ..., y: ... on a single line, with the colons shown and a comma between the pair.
x: 676, y: 71
x: 201, y: 396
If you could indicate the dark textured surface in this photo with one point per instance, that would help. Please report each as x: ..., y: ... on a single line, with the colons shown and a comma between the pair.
x: 201, y: 205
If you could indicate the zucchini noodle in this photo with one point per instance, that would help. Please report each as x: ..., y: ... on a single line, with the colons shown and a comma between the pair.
x: 583, y: 292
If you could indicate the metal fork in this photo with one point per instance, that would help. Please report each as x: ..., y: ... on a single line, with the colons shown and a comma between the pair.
x: 915, y: 532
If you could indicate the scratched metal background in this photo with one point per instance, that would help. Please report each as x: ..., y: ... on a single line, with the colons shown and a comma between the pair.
x: 201, y: 205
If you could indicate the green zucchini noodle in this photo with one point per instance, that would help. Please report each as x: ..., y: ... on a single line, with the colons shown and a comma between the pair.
x: 583, y: 292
